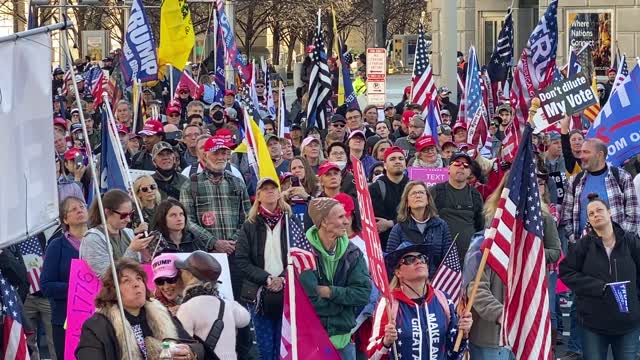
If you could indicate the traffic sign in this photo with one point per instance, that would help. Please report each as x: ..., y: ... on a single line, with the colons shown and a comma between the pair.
x: 376, y: 76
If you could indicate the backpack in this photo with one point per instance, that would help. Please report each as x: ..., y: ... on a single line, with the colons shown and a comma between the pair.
x: 383, y: 188
x: 442, y: 299
x: 213, y: 337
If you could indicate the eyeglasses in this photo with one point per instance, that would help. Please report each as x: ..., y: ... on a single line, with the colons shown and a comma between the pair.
x: 172, y: 115
x: 163, y: 280
x: 460, y: 163
x: 124, y: 215
x: 259, y: 86
x: 197, y: 123
x: 412, y: 259
x: 417, y: 193
x: 148, y: 188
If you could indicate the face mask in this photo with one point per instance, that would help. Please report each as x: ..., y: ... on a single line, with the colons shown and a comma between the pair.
x: 218, y: 116
x: 341, y: 164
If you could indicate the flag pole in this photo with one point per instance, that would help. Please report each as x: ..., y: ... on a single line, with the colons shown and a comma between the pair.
x: 96, y: 187
x: 122, y: 162
x: 535, y: 105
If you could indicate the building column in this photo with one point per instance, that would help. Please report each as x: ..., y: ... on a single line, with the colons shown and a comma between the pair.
x: 448, y: 41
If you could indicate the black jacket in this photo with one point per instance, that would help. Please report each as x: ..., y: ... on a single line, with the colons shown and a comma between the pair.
x: 250, y: 254
x: 386, y: 206
x: 142, y: 161
x: 587, y: 269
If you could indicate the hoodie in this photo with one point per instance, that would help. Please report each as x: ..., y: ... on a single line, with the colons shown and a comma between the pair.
x: 346, y: 273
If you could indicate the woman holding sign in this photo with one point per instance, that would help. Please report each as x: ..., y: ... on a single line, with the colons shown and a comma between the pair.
x: 602, y: 270
x: 57, y: 264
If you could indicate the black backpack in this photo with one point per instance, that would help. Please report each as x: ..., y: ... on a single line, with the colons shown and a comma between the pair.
x: 213, y: 337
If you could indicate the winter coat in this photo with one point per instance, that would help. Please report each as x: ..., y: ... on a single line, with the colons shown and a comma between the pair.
x: 350, y: 288
x: 102, y: 336
x: 436, y: 236
x: 250, y: 249
x: 94, y: 250
x: 55, y: 276
x: 587, y: 269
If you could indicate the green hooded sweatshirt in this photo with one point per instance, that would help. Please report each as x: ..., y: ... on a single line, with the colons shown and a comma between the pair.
x: 329, y: 262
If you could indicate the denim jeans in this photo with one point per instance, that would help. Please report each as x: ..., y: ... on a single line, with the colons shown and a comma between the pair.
x: 267, y: 335
x: 596, y: 346
x: 551, y: 281
x: 348, y: 352
x: 575, y: 341
x: 490, y: 353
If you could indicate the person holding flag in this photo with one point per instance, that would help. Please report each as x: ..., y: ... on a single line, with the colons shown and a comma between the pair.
x: 420, y: 314
x: 602, y: 270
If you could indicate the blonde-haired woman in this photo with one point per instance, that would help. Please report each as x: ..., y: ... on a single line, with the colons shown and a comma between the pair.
x: 418, y: 223
x: 487, y: 310
x: 261, y: 256
x: 146, y: 192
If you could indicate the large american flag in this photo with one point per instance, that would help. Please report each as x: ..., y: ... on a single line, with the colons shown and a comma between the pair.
x: 319, y: 83
x: 535, y: 69
x: 476, y: 114
x: 423, y: 84
x: 14, y: 342
x: 32, y: 256
x: 516, y: 254
x: 448, y: 277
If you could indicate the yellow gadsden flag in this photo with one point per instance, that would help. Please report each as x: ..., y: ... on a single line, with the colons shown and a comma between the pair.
x: 176, y: 34
x: 258, y: 146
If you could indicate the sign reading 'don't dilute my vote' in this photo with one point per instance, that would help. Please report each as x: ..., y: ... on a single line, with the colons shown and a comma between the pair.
x: 566, y: 97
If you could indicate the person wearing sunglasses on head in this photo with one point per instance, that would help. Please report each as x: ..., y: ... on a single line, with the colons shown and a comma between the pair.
x: 146, y: 192
x: 118, y: 211
x: 424, y: 323
x: 459, y: 203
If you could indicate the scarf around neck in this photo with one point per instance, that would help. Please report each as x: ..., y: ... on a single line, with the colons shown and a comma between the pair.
x: 271, y: 218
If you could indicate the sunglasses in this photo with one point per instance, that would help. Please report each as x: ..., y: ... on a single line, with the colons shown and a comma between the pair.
x: 162, y: 281
x: 338, y: 125
x: 124, y: 215
x: 412, y: 259
x: 184, y: 92
x: 460, y: 163
x: 259, y: 86
x: 148, y: 188
x: 377, y: 172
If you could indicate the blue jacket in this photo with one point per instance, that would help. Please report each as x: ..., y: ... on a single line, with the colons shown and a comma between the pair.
x: 436, y: 236
x: 55, y: 276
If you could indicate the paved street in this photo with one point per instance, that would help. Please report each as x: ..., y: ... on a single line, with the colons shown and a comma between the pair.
x: 395, y: 87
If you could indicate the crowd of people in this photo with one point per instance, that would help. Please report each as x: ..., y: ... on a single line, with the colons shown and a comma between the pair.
x: 200, y: 196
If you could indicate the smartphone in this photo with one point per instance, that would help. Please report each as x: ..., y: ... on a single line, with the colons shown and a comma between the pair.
x: 78, y: 160
x: 295, y: 181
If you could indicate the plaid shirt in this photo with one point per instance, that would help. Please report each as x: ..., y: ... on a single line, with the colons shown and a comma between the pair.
x: 622, y: 197
x: 217, y: 211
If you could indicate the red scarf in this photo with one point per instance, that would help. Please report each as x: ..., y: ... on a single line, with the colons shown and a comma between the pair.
x: 271, y: 218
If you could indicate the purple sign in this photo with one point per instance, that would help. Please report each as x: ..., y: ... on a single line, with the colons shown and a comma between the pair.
x: 431, y: 176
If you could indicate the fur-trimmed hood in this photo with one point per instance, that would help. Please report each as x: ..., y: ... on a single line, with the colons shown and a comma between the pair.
x: 159, y: 321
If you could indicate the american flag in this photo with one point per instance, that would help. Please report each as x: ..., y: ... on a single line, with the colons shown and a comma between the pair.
x: 623, y: 71
x: 502, y: 56
x: 96, y: 83
x: 32, y: 256
x: 535, y: 69
x: 67, y: 78
x: 300, y: 249
x: 423, y: 84
x: 14, y: 342
x: 476, y: 114
x: 448, y: 277
x: 516, y: 254
x: 319, y: 83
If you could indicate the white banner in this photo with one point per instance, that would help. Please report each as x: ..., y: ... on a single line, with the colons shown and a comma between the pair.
x: 28, y: 189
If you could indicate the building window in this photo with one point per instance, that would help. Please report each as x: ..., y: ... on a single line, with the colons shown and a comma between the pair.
x: 491, y: 25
